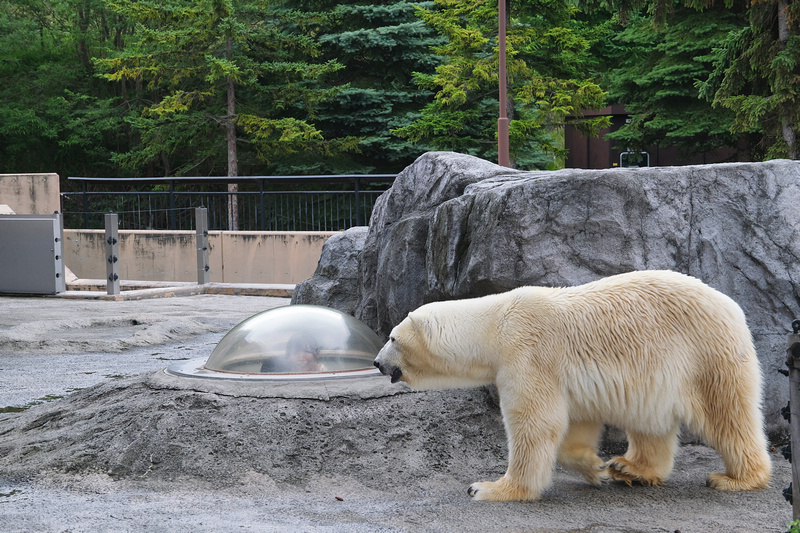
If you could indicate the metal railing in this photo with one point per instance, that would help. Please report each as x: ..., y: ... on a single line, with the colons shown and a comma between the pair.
x: 263, y: 203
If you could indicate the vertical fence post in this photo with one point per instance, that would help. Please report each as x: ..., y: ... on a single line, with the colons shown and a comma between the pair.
x: 201, y: 222
x: 112, y: 253
x: 262, y: 205
x: 171, y: 215
x: 358, y: 204
x: 793, y: 409
x: 85, y: 202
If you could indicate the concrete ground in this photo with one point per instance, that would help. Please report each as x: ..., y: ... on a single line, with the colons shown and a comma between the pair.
x: 95, y: 437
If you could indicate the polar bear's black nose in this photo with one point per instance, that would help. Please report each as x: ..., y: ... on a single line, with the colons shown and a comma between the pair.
x: 377, y: 365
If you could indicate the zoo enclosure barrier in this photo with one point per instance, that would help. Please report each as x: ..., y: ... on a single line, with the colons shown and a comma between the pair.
x: 262, y: 203
x: 111, y: 222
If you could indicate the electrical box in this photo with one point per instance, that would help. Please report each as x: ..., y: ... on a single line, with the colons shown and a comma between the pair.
x: 31, y: 254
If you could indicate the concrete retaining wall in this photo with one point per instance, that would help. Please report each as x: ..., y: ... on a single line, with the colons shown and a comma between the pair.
x: 31, y: 194
x: 234, y: 256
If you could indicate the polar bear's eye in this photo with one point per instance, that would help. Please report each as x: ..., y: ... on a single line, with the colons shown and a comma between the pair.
x: 392, y: 339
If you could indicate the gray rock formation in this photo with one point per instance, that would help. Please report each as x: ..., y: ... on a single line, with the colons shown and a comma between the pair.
x: 335, y: 281
x: 454, y: 226
x: 394, y: 278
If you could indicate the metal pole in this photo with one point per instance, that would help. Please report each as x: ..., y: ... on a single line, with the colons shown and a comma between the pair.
x: 171, y: 216
x: 58, y: 252
x: 262, y: 205
x: 201, y: 222
x: 793, y: 362
x: 85, y: 205
x: 502, y: 122
x: 358, y: 205
x: 112, y: 253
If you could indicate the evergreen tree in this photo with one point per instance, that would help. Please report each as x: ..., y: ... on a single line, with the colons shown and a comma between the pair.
x: 380, y: 44
x: 756, y: 74
x: 656, y: 74
x: 214, y: 72
x: 547, y: 85
x: 756, y: 68
x: 54, y: 115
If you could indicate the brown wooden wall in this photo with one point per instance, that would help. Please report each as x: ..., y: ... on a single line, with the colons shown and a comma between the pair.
x: 599, y: 153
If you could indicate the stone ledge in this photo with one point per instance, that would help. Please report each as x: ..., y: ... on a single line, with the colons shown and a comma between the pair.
x: 140, y: 290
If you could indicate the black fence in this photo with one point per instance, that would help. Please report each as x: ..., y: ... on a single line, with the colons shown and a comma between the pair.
x: 262, y: 203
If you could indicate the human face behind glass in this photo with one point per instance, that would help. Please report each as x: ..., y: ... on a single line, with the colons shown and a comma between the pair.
x: 304, y: 361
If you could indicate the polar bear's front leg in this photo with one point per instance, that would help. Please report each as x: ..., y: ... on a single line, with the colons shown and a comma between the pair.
x: 649, y: 458
x: 535, y: 427
x: 578, y: 452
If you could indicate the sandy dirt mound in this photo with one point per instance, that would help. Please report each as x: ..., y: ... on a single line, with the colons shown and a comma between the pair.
x: 129, y: 429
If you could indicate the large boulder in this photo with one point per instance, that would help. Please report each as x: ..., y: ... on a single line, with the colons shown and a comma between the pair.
x: 454, y: 226
x: 335, y: 281
x: 394, y: 275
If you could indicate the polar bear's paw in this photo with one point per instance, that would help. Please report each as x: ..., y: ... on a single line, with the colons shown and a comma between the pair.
x: 621, y: 469
x: 598, y: 475
x: 725, y: 482
x: 499, y: 491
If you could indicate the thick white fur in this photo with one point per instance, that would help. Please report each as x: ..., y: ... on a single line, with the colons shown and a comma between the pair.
x: 644, y: 351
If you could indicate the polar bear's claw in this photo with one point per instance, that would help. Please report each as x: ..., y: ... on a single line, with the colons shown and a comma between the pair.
x: 620, y: 469
x: 602, y: 477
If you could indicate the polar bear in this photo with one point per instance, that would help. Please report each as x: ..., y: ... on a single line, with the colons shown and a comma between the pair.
x: 644, y: 351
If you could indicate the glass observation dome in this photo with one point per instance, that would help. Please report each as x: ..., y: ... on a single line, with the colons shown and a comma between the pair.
x: 296, y: 341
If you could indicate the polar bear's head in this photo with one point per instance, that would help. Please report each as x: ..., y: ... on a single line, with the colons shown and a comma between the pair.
x: 431, y: 349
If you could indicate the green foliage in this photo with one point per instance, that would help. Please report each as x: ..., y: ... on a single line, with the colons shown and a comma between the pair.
x: 46, y: 122
x: 124, y: 87
x: 658, y: 11
x: 755, y: 68
x: 185, y: 57
x: 380, y: 45
x: 656, y: 77
x: 756, y: 76
x: 547, y: 83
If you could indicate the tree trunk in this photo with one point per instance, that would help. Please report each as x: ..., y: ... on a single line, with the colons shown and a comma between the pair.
x: 84, y: 12
x: 788, y: 128
x: 233, y: 162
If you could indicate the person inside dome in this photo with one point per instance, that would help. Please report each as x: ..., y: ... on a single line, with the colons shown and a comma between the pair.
x: 302, y: 355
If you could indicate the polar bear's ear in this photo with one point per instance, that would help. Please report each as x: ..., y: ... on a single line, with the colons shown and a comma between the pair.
x: 422, y: 324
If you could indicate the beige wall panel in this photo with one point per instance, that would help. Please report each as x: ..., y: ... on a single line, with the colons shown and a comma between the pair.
x: 234, y: 257
x: 31, y: 194
x: 273, y: 257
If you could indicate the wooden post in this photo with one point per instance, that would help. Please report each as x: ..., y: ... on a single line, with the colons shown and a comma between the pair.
x: 112, y: 254
x: 201, y: 222
x: 793, y: 362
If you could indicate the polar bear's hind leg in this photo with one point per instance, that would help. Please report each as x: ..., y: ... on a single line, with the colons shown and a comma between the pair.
x: 735, y: 432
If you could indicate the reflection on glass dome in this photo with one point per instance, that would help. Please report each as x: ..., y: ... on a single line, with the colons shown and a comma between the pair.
x: 296, y: 339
